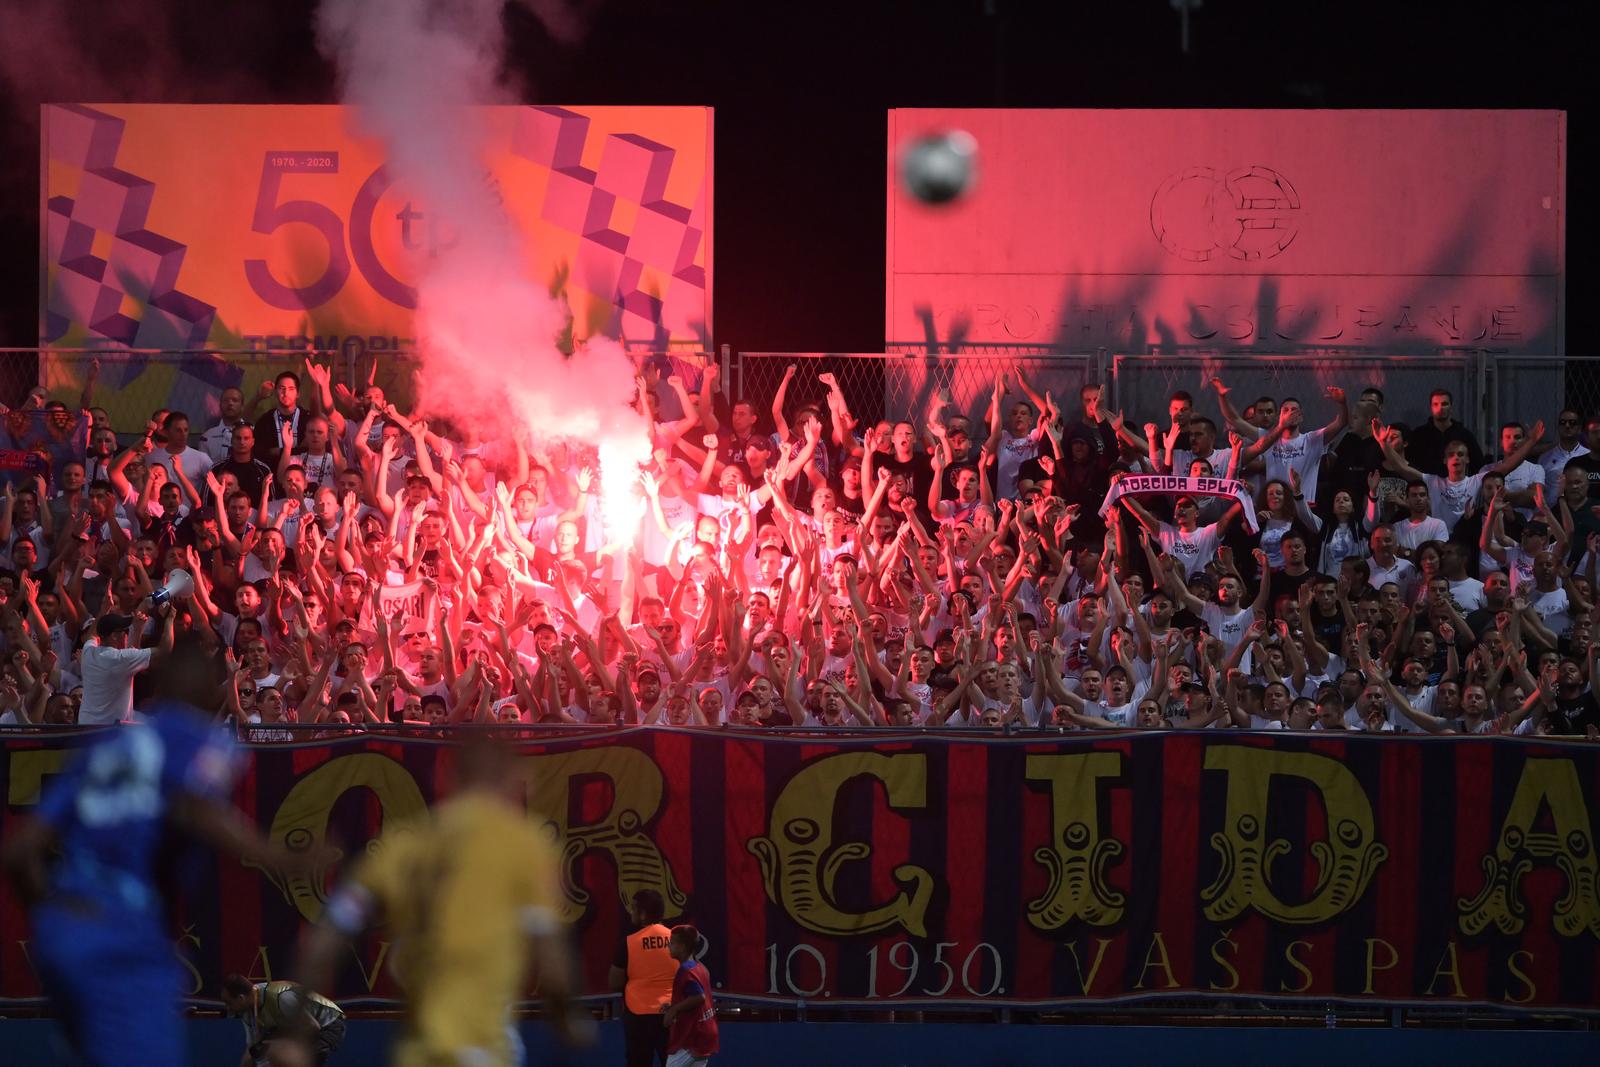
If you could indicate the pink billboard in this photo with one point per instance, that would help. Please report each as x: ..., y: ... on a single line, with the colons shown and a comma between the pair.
x: 1270, y: 230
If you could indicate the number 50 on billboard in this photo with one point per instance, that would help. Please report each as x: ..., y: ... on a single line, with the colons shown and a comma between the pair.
x: 182, y: 226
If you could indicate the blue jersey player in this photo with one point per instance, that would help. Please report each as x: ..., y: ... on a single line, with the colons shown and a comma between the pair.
x: 100, y: 943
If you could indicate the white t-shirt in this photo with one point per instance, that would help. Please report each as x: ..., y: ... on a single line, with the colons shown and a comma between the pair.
x: 218, y: 442
x: 1422, y: 702
x: 1519, y: 568
x: 1526, y: 475
x: 1451, y: 499
x: 1410, y: 534
x: 1193, y: 550
x: 1554, y: 462
x: 1220, y: 459
x: 108, y: 681
x: 1227, y: 627
x: 1553, y: 609
x: 195, y: 464
x: 1468, y: 595
x: 1014, y: 452
x: 726, y: 512
x: 1301, y: 454
x: 1402, y: 573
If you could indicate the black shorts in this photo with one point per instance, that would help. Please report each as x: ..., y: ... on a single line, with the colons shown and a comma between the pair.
x: 324, y: 1043
x: 327, y: 1041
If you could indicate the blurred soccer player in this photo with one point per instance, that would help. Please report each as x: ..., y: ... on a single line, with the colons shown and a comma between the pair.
x: 285, y: 1025
x: 465, y: 896
x: 100, y: 943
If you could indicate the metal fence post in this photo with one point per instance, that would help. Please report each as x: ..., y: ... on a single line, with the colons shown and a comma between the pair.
x: 350, y: 368
x: 1488, y: 402
x: 727, y: 371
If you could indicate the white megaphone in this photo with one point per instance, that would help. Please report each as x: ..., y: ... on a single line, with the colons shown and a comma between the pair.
x: 179, y: 584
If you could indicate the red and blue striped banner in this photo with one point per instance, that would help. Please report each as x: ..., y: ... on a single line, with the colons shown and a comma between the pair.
x: 917, y: 869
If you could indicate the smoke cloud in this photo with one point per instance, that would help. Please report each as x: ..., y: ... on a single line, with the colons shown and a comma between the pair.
x: 486, y: 330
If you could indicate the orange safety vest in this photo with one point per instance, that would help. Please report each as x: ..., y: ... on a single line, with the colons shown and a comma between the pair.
x: 650, y: 970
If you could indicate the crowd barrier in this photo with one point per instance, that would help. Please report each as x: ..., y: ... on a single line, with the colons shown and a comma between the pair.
x: 902, y: 871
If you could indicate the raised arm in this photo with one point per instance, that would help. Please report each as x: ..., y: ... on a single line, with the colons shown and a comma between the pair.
x: 778, y: 421
x: 1341, y: 414
x: 1237, y: 421
x: 1529, y: 442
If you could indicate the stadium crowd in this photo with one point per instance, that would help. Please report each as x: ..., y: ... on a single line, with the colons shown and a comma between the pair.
x: 794, y: 566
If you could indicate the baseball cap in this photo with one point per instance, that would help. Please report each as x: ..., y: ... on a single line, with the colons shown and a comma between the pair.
x: 112, y: 624
x: 358, y: 572
x: 650, y: 672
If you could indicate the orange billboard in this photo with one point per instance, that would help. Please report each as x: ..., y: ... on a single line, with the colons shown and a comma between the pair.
x: 199, y: 226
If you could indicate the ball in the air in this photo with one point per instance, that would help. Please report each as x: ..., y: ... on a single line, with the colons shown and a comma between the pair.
x: 940, y: 167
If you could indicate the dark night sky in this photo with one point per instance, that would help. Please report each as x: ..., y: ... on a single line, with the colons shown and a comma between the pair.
x: 800, y: 93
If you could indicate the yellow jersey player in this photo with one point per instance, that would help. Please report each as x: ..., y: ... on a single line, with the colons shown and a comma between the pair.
x: 466, y: 895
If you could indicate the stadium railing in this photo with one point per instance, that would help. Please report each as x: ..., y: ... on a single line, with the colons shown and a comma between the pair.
x: 903, y: 381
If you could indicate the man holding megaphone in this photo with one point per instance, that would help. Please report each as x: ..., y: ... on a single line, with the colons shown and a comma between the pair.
x: 108, y: 664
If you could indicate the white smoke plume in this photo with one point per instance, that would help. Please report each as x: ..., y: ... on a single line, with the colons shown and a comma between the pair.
x: 487, y: 331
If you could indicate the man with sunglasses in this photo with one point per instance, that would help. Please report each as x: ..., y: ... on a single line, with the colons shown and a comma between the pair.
x: 1567, y: 447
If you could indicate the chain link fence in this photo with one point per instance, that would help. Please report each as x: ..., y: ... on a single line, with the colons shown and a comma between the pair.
x: 906, y: 384
x: 132, y: 384
x: 1526, y: 388
x: 1143, y: 384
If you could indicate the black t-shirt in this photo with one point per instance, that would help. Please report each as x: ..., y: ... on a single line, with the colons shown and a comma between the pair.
x: 1575, y: 715
x: 1347, y: 467
x: 856, y: 506
x: 251, y: 475
x: 947, y: 490
x: 1285, y: 584
x: 1589, y: 463
x: 269, y: 434
x: 1328, y: 628
x: 919, y: 469
x: 1482, y: 621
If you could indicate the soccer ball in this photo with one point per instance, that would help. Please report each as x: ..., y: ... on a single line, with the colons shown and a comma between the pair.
x: 940, y: 167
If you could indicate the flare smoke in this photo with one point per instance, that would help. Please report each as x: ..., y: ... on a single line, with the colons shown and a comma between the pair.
x: 416, y: 70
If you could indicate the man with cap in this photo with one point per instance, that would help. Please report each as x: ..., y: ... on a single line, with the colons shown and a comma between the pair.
x: 108, y: 666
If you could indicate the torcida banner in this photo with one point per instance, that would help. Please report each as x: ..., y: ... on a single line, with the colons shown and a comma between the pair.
x: 1237, y: 230
x: 1031, y: 871
x: 195, y: 226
